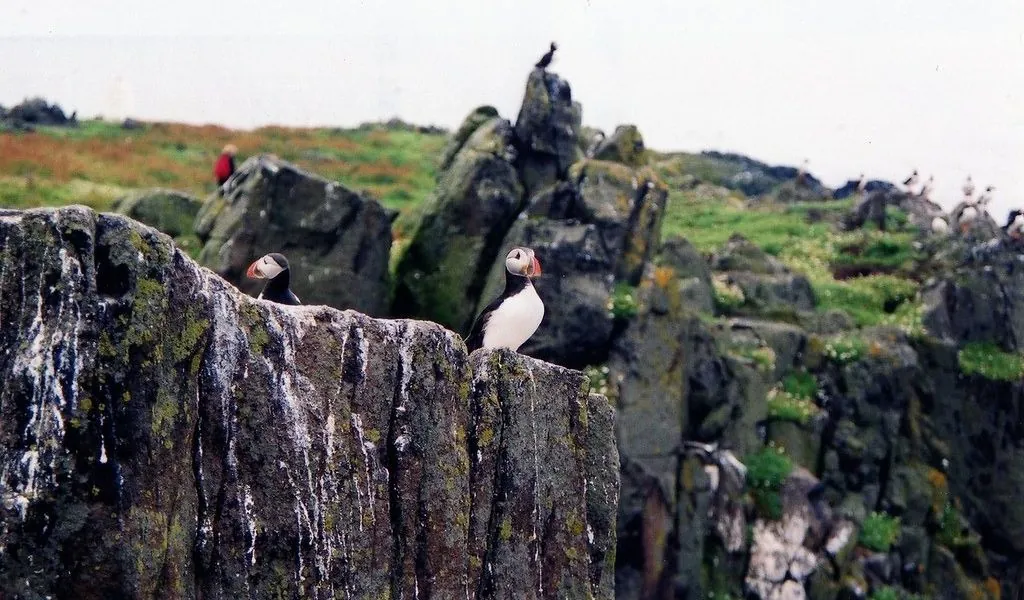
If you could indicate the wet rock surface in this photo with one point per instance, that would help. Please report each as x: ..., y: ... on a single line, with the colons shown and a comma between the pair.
x: 163, y: 435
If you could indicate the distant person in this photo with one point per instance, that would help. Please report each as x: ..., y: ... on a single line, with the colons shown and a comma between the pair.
x: 225, y: 165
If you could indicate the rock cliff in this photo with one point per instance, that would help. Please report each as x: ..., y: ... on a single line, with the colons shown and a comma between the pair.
x: 163, y: 435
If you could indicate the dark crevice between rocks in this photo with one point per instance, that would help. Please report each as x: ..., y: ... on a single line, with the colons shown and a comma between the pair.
x: 497, y: 501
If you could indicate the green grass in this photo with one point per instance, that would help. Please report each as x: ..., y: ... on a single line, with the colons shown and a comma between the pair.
x: 949, y: 533
x: 989, y: 361
x: 766, y: 472
x: 845, y: 349
x: 879, y: 532
x: 623, y: 302
x: 800, y: 384
x: 814, y: 249
x: 793, y: 399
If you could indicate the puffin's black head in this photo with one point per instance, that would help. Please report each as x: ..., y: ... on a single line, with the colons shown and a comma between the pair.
x: 522, y: 262
x: 553, y: 47
x: 268, y: 267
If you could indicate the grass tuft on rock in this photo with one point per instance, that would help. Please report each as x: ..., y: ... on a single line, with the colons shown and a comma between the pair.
x: 767, y: 470
x: 879, y: 532
x: 989, y: 361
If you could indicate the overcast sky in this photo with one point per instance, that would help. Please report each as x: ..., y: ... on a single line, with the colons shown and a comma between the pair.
x: 880, y: 86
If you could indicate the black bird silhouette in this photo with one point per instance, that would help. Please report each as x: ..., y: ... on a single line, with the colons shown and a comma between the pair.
x: 546, y: 59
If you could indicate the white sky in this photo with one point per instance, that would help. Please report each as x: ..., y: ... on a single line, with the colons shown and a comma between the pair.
x: 880, y: 86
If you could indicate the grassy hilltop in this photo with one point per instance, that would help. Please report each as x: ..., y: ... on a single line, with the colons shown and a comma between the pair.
x: 97, y: 162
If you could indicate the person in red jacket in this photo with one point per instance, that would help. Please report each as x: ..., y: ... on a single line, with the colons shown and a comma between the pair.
x: 225, y: 164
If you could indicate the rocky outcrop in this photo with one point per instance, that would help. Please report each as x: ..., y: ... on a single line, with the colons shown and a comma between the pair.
x: 981, y: 300
x: 547, y: 129
x: 477, y: 198
x: 35, y: 111
x: 625, y: 146
x: 871, y: 208
x: 593, y: 235
x: 758, y: 283
x: 170, y: 211
x: 337, y: 242
x: 163, y: 435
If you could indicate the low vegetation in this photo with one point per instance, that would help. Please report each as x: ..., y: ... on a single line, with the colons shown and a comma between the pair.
x: 766, y: 472
x: 793, y: 399
x: 98, y: 161
x: 989, y: 361
x: 879, y: 532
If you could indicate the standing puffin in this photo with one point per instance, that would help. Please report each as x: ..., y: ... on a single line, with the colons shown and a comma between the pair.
x: 274, y: 267
x: 514, y: 315
x: 910, y: 181
x: 546, y: 59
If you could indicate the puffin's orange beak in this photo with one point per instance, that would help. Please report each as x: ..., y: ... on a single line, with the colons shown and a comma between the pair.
x: 253, y: 271
x: 535, y: 268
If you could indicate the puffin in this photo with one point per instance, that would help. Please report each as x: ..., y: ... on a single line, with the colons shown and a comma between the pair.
x: 967, y: 217
x: 801, y: 173
x: 940, y: 226
x: 926, y: 188
x: 273, y: 267
x: 968, y: 187
x: 910, y: 181
x: 862, y: 184
x: 986, y: 196
x: 1011, y: 218
x: 546, y: 59
x: 1016, y: 228
x: 514, y: 315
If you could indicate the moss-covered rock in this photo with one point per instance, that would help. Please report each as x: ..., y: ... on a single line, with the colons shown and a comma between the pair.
x: 547, y: 130
x: 625, y: 145
x: 170, y: 211
x: 442, y: 273
x: 163, y: 434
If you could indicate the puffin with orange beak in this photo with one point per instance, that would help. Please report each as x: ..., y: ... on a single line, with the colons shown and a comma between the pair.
x: 516, y: 314
x: 274, y: 268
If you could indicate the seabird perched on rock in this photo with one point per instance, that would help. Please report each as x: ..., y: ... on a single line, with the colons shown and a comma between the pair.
x: 548, y: 56
x: 967, y: 216
x: 273, y: 267
x: 862, y: 184
x: 1011, y: 218
x: 910, y: 181
x: 801, y: 172
x: 986, y: 197
x: 1016, y: 227
x: 926, y: 188
x: 514, y: 315
x: 940, y: 226
x: 968, y: 188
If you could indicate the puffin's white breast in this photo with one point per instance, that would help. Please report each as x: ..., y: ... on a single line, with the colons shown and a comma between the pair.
x: 515, y: 320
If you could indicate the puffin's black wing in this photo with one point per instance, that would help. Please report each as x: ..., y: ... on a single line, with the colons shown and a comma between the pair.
x: 475, y: 339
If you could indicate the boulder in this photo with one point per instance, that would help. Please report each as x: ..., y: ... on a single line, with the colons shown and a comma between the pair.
x: 470, y: 124
x: 336, y: 241
x: 590, y: 235
x: 170, y: 211
x: 443, y: 271
x: 983, y: 227
x: 979, y: 301
x: 849, y: 188
x: 37, y: 111
x: 625, y: 146
x: 740, y: 254
x: 162, y: 434
x: 546, y: 130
